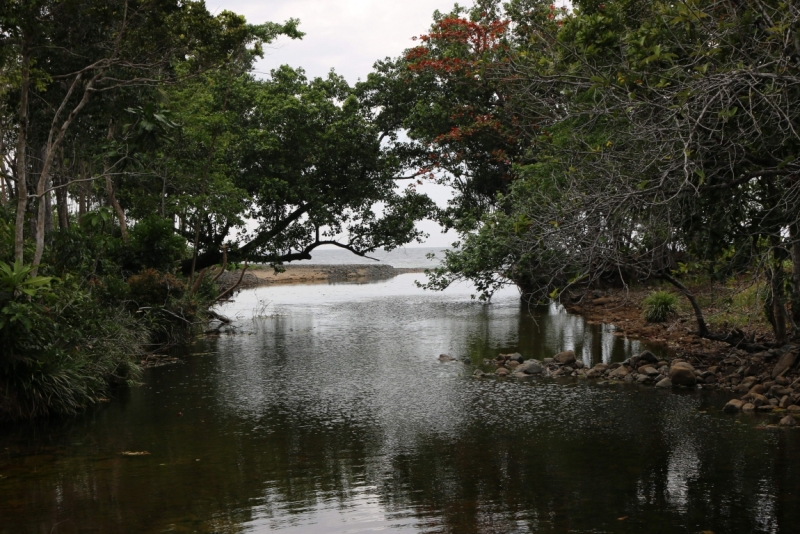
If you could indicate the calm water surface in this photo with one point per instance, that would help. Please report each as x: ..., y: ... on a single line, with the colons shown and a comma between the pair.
x: 326, y: 411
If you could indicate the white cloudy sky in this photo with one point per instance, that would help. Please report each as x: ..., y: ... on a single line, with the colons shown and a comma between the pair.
x: 347, y: 36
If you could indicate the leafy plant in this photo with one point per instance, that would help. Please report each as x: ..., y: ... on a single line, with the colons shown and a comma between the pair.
x: 15, y: 281
x: 659, y: 306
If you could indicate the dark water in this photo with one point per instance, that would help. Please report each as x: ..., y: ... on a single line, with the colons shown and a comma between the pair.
x: 328, y: 412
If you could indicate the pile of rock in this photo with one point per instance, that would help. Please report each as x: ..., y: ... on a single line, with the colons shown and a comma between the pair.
x: 767, y: 396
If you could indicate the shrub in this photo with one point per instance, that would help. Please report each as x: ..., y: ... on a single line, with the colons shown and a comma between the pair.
x: 152, y: 288
x: 659, y: 306
x: 153, y: 244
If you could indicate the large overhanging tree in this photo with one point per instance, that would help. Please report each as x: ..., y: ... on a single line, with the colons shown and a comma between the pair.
x: 272, y: 169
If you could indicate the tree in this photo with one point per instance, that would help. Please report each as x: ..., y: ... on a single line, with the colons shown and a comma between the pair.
x: 70, y: 51
x: 301, y: 159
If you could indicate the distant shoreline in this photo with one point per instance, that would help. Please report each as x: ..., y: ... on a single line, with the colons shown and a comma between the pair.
x: 315, y: 274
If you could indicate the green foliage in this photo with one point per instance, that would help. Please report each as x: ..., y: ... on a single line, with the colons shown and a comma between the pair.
x: 15, y: 281
x: 153, y: 244
x: 659, y: 306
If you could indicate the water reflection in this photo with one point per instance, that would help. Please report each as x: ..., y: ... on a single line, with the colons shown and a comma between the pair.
x: 331, y: 413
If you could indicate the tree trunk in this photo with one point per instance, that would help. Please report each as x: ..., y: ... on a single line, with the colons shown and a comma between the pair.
x: 22, y: 145
x: 702, y: 328
x: 776, y: 285
x: 82, y: 188
x: 794, y: 232
x: 112, y: 199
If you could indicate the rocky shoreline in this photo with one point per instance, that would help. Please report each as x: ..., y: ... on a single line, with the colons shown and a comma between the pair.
x: 767, y: 382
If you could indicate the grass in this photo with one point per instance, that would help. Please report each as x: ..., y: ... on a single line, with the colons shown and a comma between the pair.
x: 659, y: 306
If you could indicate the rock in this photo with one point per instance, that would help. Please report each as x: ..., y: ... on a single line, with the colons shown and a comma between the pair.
x: 601, y: 367
x: 648, y: 357
x: 748, y: 407
x: 512, y: 364
x: 782, y: 381
x: 710, y: 379
x: 467, y: 361
x: 733, y: 406
x: 765, y: 408
x: 516, y: 357
x: 665, y: 383
x: 682, y: 374
x: 784, y: 364
x: 593, y: 373
x: 602, y: 301
x: 758, y: 389
x: 502, y: 371
x: 579, y: 364
x: 749, y: 382
x: 446, y: 358
x: 567, y: 369
x: 794, y: 409
x: 629, y: 377
x: 758, y: 400
x: 650, y: 371
x: 619, y: 372
x: 478, y: 373
x: 565, y: 358
x: 548, y: 360
x: 788, y: 421
x: 531, y: 367
x: 643, y: 379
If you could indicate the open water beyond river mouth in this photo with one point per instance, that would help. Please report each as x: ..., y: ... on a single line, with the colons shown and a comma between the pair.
x: 328, y: 412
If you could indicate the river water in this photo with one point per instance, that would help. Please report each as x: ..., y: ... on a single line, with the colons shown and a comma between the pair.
x: 325, y: 410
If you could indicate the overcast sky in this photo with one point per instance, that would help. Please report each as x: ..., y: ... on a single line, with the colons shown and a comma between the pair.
x: 347, y: 36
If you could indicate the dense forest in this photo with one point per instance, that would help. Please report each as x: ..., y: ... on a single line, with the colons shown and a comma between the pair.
x: 609, y: 143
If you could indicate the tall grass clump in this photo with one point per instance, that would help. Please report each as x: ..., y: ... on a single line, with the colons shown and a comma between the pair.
x: 658, y: 306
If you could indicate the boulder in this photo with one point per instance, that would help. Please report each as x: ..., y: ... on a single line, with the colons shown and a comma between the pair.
x: 601, y: 367
x: 788, y: 421
x: 650, y: 371
x: 784, y: 364
x: 619, y: 372
x: 593, y: 373
x: 758, y: 400
x: 643, y: 379
x: 682, y: 374
x: 512, y: 364
x: 531, y: 367
x: 478, y: 373
x: 647, y: 357
x: 733, y: 406
x: 758, y: 389
x: 748, y: 407
x: 516, y: 357
x: 446, y: 358
x: 793, y: 409
x: 502, y: 371
x: 664, y: 383
x: 565, y: 358
x: 785, y: 402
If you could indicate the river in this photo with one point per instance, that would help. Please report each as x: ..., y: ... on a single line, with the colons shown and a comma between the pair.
x: 324, y: 409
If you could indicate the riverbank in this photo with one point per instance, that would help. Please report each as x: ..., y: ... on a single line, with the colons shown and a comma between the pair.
x: 767, y: 381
